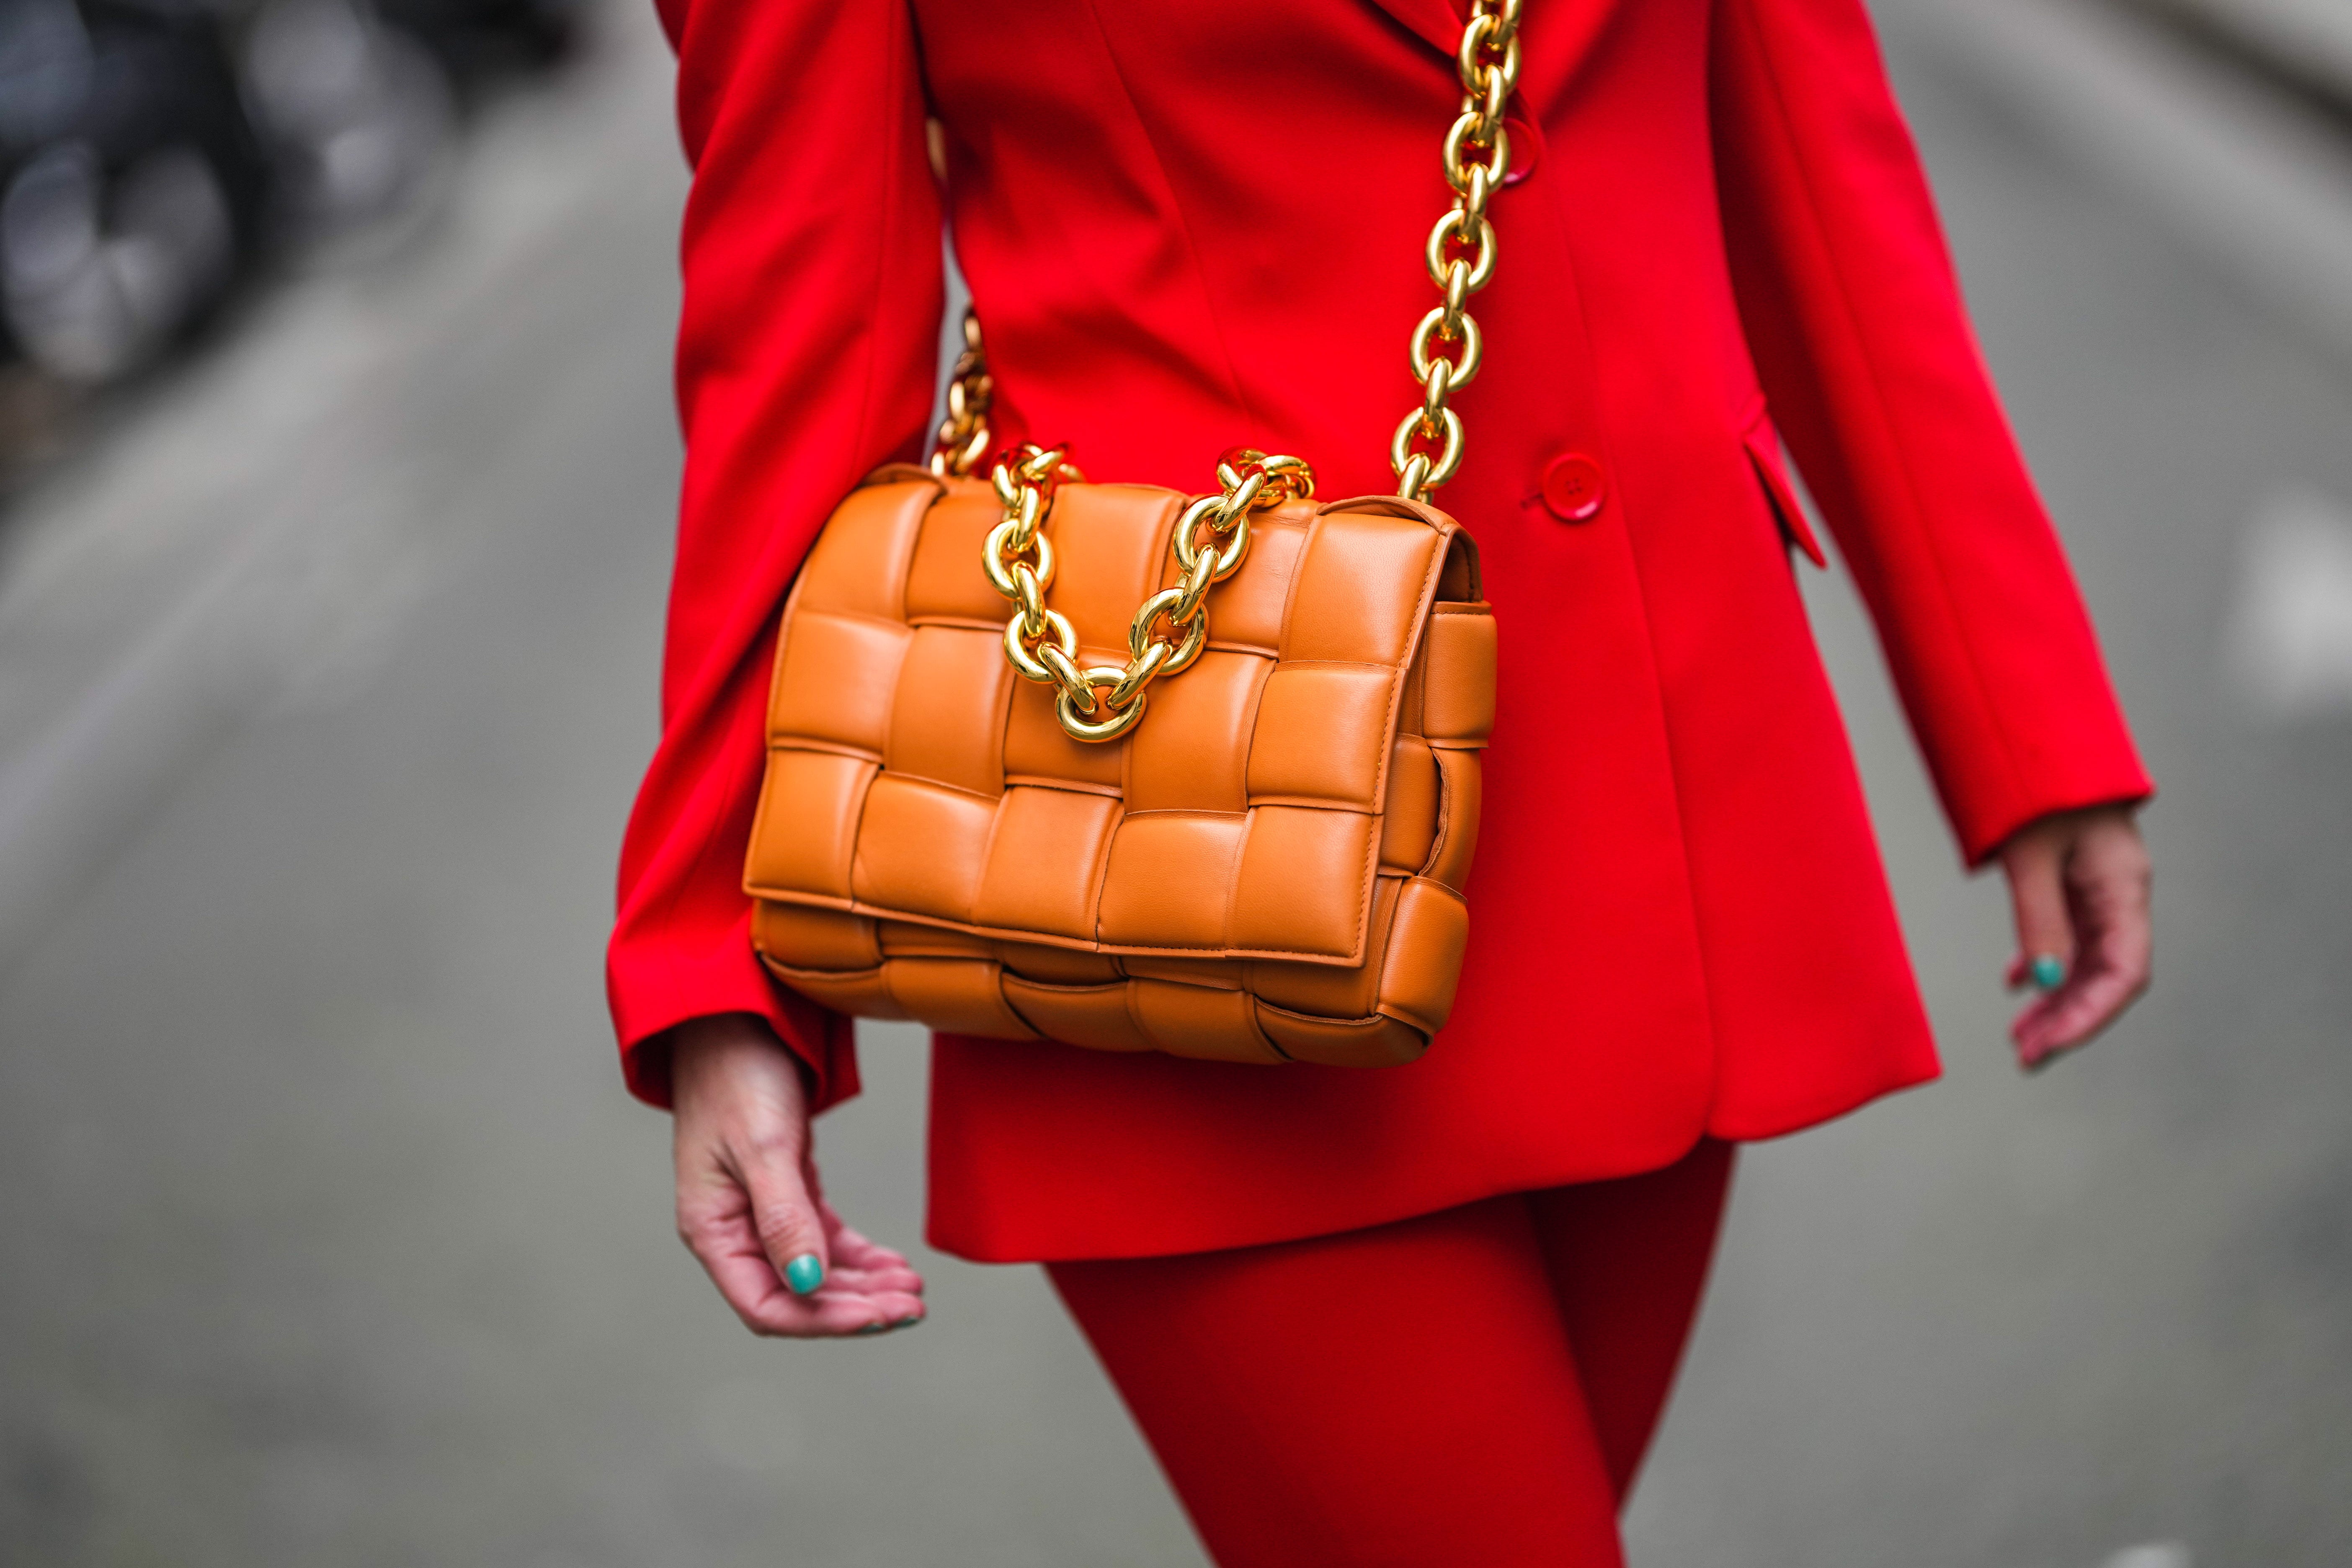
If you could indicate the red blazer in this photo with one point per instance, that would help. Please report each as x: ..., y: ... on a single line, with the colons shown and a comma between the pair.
x: 1191, y: 223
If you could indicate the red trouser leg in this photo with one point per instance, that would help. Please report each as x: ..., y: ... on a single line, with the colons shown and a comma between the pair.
x: 1629, y: 1260
x: 1474, y: 1386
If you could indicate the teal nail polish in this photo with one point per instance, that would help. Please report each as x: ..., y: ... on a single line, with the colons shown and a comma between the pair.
x: 2046, y: 971
x: 804, y: 1273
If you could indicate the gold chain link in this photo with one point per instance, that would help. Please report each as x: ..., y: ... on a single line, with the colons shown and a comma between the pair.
x: 963, y: 439
x: 1448, y: 347
x: 1103, y: 701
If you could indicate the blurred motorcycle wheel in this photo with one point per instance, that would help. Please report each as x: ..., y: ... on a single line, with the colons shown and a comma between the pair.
x: 97, y: 276
x: 360, y: 117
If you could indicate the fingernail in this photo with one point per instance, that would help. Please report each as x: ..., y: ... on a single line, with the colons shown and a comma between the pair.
x: 2046, y: 971
x: 804, y: 1273
x: 909, y: 1322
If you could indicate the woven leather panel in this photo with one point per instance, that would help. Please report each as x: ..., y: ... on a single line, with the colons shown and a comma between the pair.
x: 1239, y: 876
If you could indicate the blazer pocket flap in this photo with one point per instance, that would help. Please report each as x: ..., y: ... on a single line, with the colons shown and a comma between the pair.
x: 1763, y: 444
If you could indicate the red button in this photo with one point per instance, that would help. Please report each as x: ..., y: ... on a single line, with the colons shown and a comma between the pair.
x: 1574, y: 487
x: 1526, y: 149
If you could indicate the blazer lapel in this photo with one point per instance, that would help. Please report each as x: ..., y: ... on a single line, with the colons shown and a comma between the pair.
x: 1436, y: 22
x: 1568, y: 35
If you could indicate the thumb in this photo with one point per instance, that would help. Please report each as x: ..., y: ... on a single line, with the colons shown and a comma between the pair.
x: 2037, y: 893
x: 784, y: 1216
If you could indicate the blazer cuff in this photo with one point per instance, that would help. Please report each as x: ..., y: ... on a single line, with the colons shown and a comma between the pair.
x: 1983, y: 832
x: 653, y: 992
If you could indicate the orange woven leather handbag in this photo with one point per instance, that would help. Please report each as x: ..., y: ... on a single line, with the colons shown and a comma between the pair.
x: 1212, y: 789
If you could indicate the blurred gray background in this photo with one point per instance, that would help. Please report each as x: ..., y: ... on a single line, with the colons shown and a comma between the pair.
x: 327, y: 664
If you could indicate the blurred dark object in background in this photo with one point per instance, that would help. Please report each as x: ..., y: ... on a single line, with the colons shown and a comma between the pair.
x: 156, y: 155
x: 481, y: 40
x: 135, y: 186
x: 355, y: 113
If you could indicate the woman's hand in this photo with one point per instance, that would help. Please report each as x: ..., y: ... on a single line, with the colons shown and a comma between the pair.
x: 749, y: 1204
x: 2079, y: 882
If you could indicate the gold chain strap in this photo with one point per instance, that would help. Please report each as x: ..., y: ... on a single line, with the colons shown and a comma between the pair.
x: 1461, y: 249
x: 962, y: 439
x: 1103, y: 701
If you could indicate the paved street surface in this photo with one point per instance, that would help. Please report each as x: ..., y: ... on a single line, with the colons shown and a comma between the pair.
x: 331, y: 1238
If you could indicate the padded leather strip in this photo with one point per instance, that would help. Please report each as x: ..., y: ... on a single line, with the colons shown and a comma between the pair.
x: 1457, y: 705
x: 1373, y: 1015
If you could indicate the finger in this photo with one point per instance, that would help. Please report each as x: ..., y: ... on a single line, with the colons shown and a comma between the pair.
x: 833, y: 1313
x: 2111, y: 909
x: 870, y: 1262
x: 714, y: 1220
x: 829, y: 1315
x: 860, y: 1265
x: 854, y: 1257
x: 784, y: 1216
x: 866, y: 1280
x: 2118, y: 947
x: 2077, y: 1017
x: 845, y: 1299
x: 2037, y: 893
x: 847, y: 1238
x: 736, y: 1257
x: 717, y: 1218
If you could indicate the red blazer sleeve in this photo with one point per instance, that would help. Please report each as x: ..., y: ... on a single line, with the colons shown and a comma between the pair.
x: 807, y: 347
x: 1854, y: 317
